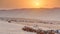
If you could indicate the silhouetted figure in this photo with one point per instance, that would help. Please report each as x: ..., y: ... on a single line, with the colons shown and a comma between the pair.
x: 51, y: 32
x: 58, y: 31
x: 40, y: 32
x: 46, y: 32
x: 28, y: 29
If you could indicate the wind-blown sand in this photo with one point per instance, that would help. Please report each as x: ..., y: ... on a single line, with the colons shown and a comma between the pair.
x: 11, y: 28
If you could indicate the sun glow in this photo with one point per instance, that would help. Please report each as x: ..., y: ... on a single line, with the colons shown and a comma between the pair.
x: 37, y: 3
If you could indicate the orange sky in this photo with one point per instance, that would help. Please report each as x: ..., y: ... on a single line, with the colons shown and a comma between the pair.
x: 29, y: 3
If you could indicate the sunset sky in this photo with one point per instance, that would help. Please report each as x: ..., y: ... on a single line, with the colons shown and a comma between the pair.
x: 29, y: 3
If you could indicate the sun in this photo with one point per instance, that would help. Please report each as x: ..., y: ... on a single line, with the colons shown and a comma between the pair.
x: 37, y: 3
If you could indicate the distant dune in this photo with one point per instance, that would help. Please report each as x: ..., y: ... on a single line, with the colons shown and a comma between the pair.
x: 52, y: 14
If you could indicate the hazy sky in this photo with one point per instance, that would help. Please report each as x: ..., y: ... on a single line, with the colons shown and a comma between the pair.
x: 29, y: 3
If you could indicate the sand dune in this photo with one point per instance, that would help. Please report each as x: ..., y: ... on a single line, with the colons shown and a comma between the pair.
x: 10, y: 28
